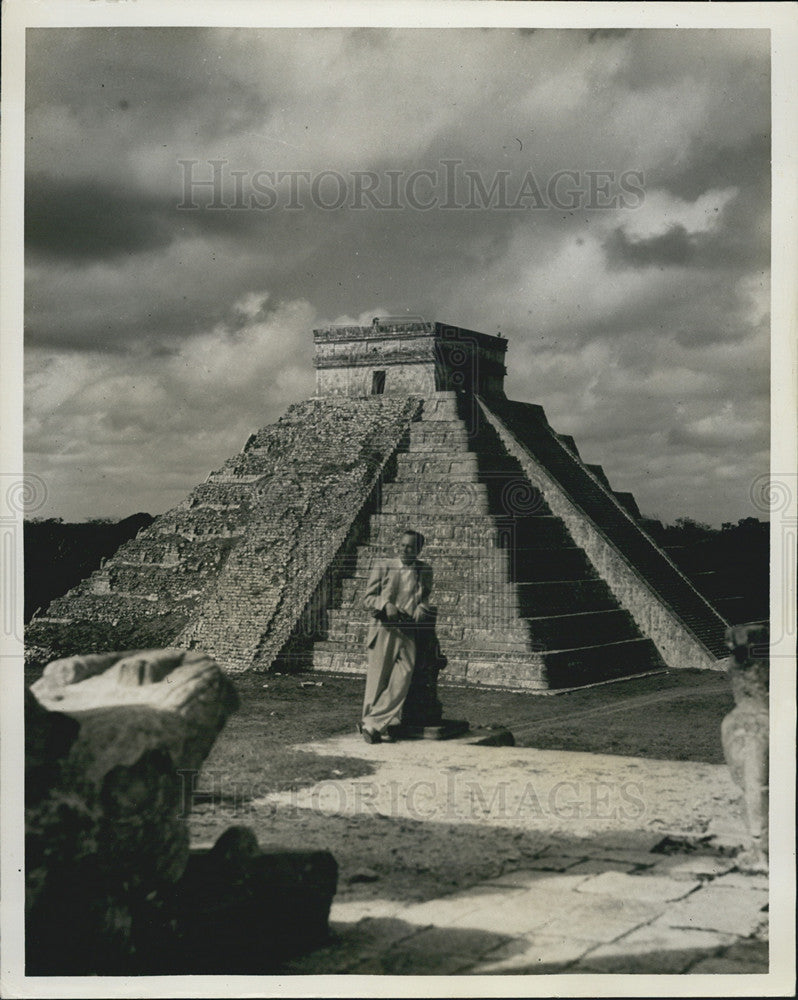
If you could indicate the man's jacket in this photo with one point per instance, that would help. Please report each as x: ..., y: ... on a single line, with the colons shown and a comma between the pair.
x: 384, y: 585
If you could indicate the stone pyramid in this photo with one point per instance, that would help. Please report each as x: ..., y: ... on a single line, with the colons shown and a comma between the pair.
x: 544, y: 576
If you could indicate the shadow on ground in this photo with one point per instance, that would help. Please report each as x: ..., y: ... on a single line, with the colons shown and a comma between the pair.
x: 392, y: 867
x: 387, y: 946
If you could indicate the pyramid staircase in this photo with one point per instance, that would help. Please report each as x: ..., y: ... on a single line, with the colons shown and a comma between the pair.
x: 519, y: 603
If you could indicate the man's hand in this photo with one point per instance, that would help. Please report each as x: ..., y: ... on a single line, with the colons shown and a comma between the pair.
x: 391, y: 611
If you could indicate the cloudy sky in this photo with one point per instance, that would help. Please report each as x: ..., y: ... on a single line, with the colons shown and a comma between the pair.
x: 633, y: 289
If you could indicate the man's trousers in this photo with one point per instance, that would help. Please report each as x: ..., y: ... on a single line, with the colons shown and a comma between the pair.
x: 390, y: 669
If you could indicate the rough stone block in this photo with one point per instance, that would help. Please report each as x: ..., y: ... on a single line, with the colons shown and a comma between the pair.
x: 243, y: 912
x: 105, y: 814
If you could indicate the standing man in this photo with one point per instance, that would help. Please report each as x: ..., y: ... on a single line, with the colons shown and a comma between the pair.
x: 396, y: 597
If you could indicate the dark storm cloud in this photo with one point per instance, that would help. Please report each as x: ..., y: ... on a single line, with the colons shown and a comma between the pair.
x: 79, y: 219
x: 91, y: 219
x: 141, y: 83
x: 737, y: 62
x: 674, y: 247
x: 208, y: 258
x: 742, y: 237
x: 706, y: 164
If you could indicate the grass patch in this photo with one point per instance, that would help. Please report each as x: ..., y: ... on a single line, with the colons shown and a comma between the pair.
x: 668, y: 716
x: 254, y: 754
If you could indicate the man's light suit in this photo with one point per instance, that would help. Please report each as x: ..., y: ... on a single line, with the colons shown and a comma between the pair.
x: 391, y: 648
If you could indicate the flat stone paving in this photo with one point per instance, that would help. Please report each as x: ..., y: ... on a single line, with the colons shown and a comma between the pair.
x: 594, y: 899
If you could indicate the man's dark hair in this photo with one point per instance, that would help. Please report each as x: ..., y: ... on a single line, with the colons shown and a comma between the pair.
x: 418, y: 537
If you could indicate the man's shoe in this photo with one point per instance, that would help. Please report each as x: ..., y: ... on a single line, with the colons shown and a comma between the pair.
x: 370, y: 735
x: 387, y: 737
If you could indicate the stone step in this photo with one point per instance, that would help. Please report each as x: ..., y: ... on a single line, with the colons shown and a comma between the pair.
x: 433, y: 467
x: 465, y: 562
x: 547, y: 670
x: 450, y: 535
x: 424, y: 428
x: 733, y: 609
x: 587, y: 628
x: 507, y: 494
x: 509, y: 672
x: 441, y: 436
x: 571, y: 668
x: 538, y: 600
x: 461, y: 498
x: 411, y: 466
x: 430, y: 490
x: 691, y: 559
x: 447, y: 529
x: 442, y: 426
x: 441, y: 408
x: 527, y: 565
x: 711, y: 583
x: 453, y: 565
x: 483, y: 642
x: 430, y: 440
x: 458, y: 502
x: 527, y: 536
x: 527, y: 600
x: 434, y: 550
x: 466, y: 415
x: 476, y: 593
x: 527, y: 531
x: 554, y: 632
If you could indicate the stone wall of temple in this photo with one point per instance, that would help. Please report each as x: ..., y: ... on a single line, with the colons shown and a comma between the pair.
x: 412, y: 357
x: 418, y: 379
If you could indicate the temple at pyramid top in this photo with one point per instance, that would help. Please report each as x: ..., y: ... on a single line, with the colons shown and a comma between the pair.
x: 409, y: 356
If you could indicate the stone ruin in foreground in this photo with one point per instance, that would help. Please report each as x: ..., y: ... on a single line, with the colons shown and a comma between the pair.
x: 544, y: 576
